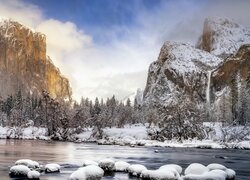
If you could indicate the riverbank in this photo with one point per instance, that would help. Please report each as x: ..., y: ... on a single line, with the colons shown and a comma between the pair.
x: 130, y: 135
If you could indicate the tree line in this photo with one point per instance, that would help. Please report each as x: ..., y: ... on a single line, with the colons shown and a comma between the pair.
x: 184, y: 120
x: 60, y: 117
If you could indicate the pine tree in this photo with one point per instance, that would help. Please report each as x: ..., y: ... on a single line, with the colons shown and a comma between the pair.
x: 128, y: 103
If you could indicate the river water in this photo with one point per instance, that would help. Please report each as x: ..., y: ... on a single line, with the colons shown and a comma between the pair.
x: 70, y: 154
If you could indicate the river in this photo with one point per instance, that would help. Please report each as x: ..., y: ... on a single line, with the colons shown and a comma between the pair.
x: 66, y: 153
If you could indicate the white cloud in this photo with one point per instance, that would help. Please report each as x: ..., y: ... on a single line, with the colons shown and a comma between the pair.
x: 25, y: 13
x: 63, y: 40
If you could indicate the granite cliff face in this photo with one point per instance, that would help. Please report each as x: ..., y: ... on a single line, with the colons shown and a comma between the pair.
x: 230, y: 87
x: 216, y: 69
x: 24, y: 64
x: 236, y: 66
x: 180, y: 69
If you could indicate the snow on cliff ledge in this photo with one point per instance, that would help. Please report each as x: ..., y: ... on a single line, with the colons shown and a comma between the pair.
x: 184, y: 58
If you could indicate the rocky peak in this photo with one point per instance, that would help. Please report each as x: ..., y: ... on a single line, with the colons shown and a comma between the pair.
x: 24, y: 64
x: 21, y: 37
x: 223, y: 37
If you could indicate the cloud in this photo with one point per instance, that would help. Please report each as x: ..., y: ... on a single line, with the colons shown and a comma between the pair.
x: 25, y: 13
x: 121, y: 85
x: 63, y: 39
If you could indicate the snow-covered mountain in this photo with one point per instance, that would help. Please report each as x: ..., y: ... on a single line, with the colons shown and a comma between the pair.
x: 24, y: 64
x: 213, y: 72
x: 180, y: 68
x: 223, y: 37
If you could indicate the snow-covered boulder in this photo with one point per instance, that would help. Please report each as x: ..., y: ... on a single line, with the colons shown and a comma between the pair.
x: 107, y: 164
x: 146, y: 174
x: 34, y: 175
x: 27, y: 162
x: 19, y: 171
x: 230, y: 174
x: 136, y: 169
x: 160, y: 174
x: 51, y: 168
x: 78, y: 175
x: 196, y: 169
x: 175, y: 166
x: 216, y: 166
x: 91, y: 172
x: 211, y: 175
x: 121, y: 166
x: 89, y: 162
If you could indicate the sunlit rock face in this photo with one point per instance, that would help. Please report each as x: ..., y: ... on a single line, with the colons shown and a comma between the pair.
x: 24, y: 64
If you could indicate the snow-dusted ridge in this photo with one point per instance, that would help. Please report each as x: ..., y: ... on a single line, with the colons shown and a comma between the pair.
x: 7, y: 22
x: 185, y: 58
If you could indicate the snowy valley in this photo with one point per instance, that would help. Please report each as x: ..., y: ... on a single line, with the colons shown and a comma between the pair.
x: 194, y: 97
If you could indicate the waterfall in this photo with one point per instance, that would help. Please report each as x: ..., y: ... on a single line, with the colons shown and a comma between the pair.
x: 208, y: 94
x: 208, y: 88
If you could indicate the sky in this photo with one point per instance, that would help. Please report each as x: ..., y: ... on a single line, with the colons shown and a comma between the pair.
x: 104, y: 47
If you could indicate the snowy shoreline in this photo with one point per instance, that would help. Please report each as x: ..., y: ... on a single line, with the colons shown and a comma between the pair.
x: 132, y: 136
